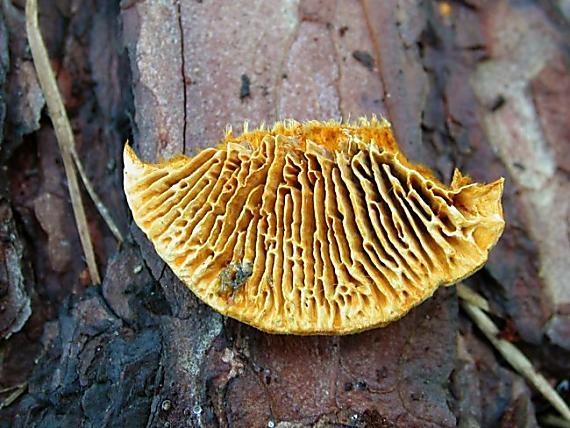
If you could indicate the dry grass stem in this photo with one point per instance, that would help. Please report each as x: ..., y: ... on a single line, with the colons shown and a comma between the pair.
x: 9, y: 388
x: 473, y: 297
x: 62, y: 129
x: 18, y: 390
x: 515, y: 357
x: 95, y: 198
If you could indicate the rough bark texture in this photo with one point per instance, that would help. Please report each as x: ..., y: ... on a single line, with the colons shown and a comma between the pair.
x: 481, y: 85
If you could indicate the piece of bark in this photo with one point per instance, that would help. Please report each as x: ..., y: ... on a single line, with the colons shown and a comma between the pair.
x: 15, y: 303
x: 395, y: 28
x: 4, y: 66
x: 550, y: 90
x: 14, y: 300
x: 299, y: 67
x: 413, y: 56
x: 487, y: 393
x: 22, y: 87
x: 91, y: 77
x: 524, y: 57
x: 452, y: 47
x: 105, y: 372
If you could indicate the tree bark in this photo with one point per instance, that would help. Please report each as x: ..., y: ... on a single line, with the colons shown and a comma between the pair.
x: 474, y: 84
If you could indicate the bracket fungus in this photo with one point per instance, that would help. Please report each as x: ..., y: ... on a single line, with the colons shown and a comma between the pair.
x: 312, y: 228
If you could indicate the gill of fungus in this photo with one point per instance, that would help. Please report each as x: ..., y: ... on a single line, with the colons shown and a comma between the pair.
x: 312, y: 228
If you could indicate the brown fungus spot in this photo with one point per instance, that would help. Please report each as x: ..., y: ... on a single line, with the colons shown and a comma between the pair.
x: 234, y: 276
x: 312, y: 228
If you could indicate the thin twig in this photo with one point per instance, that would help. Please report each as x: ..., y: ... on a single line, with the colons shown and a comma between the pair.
x: 515, y: 358
x: 18, y: 390
x: 95, y: 198
x: 467, y: 294
x: 62, y: 129
x: 9, y: 388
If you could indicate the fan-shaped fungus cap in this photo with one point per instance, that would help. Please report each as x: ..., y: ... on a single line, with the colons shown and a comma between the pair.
x: 313, y: 228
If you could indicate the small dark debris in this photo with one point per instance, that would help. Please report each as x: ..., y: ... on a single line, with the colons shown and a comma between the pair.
x: 348, y: 386
x: 284, y: 76
x: 244, y: 90
x: 498, y: 103
x: 415, y: 396
x: 364, y: 58
x: 371, y: 418
x: 519, y: 166
x: 509, y: 330
x: 342, y: 30
x: 234, y: 276
x: 360, y: 385
x: 475, y: 47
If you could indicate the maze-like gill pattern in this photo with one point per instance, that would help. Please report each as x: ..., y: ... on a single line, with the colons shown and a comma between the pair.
x: 312, y: 228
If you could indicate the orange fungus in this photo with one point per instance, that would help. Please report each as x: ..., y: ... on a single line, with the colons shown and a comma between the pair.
x: 312, y: 228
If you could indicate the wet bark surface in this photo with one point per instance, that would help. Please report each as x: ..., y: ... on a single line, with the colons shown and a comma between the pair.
x: 474, y: 84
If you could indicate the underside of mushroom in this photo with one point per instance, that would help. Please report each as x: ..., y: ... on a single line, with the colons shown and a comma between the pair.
x: 312, y: 228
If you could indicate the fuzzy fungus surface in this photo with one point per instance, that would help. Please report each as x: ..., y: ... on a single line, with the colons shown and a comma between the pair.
x: 312, y: 228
